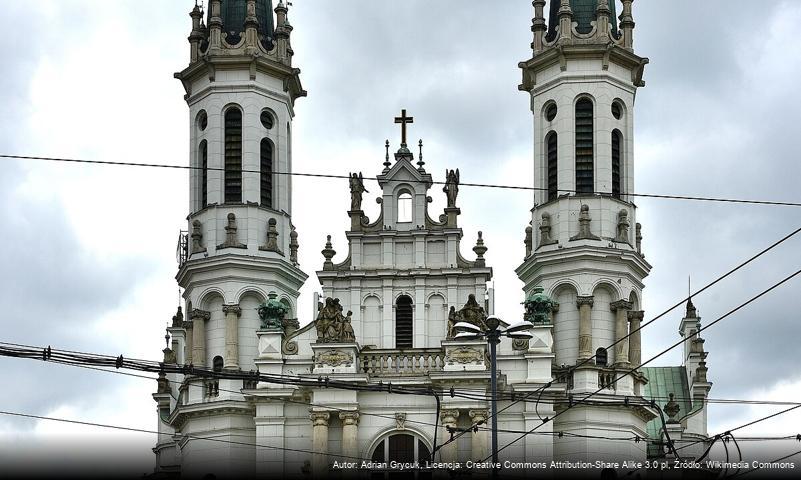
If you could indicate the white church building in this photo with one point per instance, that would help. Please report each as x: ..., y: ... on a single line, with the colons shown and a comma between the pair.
x: 388, y: 305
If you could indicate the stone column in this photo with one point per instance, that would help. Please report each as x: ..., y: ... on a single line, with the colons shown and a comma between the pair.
x: 621, y: 309
x: 231, y: 358
x: 189, y: 343
x: 320, y: 443
x: 350, y: 435
x: 199, y: 318
x: 584, y: 304
x: 449, y: 453
x: 635, y: 340
x: 480, y: 437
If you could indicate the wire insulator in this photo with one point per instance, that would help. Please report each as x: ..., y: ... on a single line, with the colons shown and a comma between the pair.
x: 118, y: 363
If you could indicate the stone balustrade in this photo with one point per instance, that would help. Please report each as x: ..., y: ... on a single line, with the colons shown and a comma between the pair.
x: 400, y: 363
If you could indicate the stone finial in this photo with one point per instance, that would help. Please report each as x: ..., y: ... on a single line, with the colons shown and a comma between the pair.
x: 700, y: 372
x: 215, y: 25
x: 529, y: 241
x: 387, y: 163
x: 272, y: 237
x: 672, y: 408
x: 251, y: 27
x: 169, y: 357
x: 328, y: 252
x: 623, y: 226
x: 584, y: 225
x: 178, y: 319
x: 480, y: 250
x: 538, y: 25
x: 420, y: 162
x: 293, y: 246
x: 638, y: 230
x: 197, y: 237
x: 231, y: 238
x: 602, y: 14
x: 627, y: 25
x: 545, y: 230
x: 565, y: 20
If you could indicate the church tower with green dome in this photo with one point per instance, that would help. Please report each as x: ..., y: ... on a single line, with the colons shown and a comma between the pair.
x: 240, y: 249
x: 583, y: 244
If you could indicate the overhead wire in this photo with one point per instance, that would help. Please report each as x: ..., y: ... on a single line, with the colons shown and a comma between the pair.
x: 465, y: 184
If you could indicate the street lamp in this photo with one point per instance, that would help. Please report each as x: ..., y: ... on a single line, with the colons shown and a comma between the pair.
x: 493, y: 334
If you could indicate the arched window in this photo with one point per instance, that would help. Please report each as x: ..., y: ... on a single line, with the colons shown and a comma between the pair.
x: 553, y: 186
x: 233, y: 156
x: 584, y: 146
x: 617, y: 177
x: 403, y: 322
x: 266, y: 173
x: 203, y: 153
x: 401, y: 448
x: 601, y: 357
x: 405, y: 207
x: 217, y: 364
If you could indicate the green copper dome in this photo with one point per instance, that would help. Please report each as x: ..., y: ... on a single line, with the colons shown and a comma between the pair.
x: 233, y: 13
x: 584, y: 12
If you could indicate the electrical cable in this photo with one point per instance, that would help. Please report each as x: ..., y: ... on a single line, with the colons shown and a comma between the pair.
x: 731, y: 312
x: 347, y: 177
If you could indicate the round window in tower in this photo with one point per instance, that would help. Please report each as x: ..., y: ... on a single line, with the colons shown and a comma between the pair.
x: 202, y: 120
x: 617, y: 110
x: 267, y: 119
x: 550, y: 112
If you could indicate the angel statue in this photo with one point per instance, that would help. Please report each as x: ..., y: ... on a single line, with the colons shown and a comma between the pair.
x: 356, y: 191
x: 451, y: 188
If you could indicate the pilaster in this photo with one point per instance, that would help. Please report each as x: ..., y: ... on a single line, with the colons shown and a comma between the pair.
x: 232, y: 313
x: 584, y: 304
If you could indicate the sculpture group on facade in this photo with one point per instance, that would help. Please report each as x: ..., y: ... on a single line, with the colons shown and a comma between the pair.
x: 472, y: 313
x: 332, y: 326
x: 272, y: 313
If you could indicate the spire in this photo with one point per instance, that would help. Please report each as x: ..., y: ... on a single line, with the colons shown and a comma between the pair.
x: 233, y: 15
x: 583, y: 12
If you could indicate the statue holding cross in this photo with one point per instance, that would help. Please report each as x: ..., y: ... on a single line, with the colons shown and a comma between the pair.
x: 403, y: 120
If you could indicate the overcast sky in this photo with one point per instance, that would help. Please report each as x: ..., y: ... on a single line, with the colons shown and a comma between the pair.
x: 87, y: 259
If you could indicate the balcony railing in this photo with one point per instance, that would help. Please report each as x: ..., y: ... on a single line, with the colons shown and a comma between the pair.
x: 399, y: 363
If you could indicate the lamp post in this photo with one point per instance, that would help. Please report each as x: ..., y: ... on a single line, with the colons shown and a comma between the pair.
x: 493, y: 334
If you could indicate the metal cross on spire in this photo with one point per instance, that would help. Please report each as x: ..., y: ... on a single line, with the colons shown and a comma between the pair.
x: 403, y: 120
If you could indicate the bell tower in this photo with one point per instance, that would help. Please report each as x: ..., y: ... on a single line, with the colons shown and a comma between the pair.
x: 241, y: 247
x: 583, y: 245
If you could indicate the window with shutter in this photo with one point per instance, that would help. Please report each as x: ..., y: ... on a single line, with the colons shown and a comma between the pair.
x: 584, y: 147
x: 553, y: 186
x: 266, y: 173
x: 233, y: 156
x: 617, y: 179
x: 403, y: 323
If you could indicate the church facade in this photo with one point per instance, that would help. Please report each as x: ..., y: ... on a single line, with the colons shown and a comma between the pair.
x: 379, y: 374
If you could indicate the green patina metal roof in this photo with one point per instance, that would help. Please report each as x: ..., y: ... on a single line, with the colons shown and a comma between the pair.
x: 662, y: 381
x: 583, y: 14
x: 233, y: 13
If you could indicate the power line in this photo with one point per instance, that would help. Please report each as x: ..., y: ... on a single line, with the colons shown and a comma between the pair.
x: 681, y: 302
x: 155, y: 432
x: 465, y: 184
x: 743, y: 305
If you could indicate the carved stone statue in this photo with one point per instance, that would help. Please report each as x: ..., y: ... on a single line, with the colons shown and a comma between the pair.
x: 451, y: 188
x: 672, y: 408
x: 452, y: 321
x: 356, y: 191
x: 178, y: 319
x: 539, y: 308
x: 545, y: 230
x: 293, y: 246
x: 348, y: 335
x: 272, y: 313
x: 623, y: 226
x: 197, y: 237
x: 529, y: 241
x: 332, y: 326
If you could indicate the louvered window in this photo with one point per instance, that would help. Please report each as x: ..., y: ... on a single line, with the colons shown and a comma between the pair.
x: 266, y: 173
x: 403, y: 323
x: 553, y: 186
x: 233, y: 156
x: 617, y: 183
x: 204, y: 173
x: 584, y: 147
